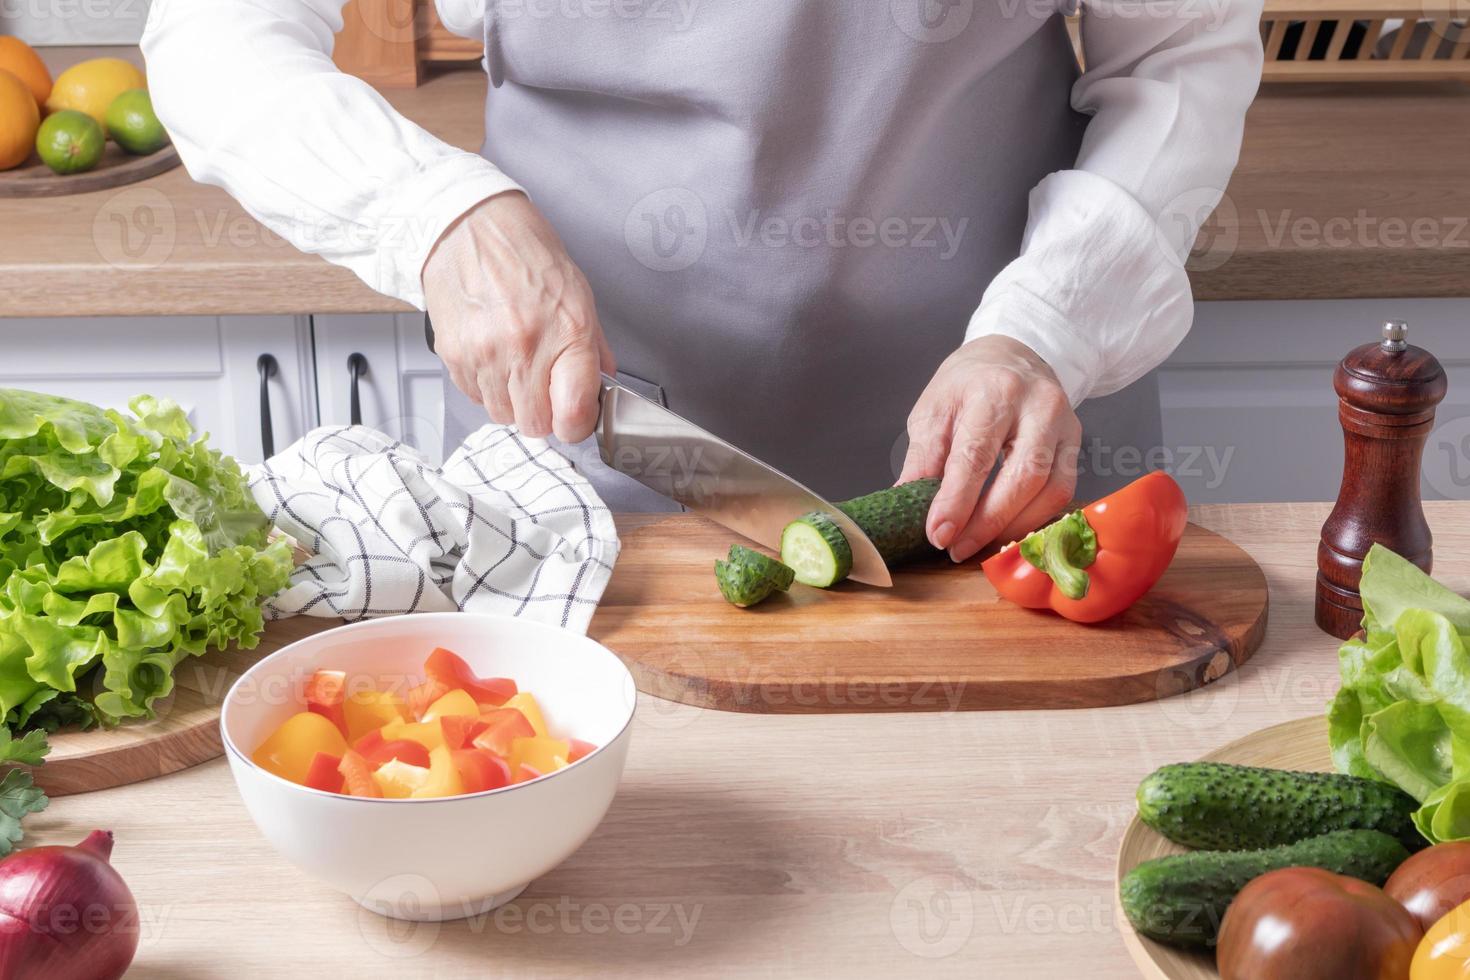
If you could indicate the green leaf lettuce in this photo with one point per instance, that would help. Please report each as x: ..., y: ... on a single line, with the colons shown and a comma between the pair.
x: 126, y: 546
x: 1403, y: 712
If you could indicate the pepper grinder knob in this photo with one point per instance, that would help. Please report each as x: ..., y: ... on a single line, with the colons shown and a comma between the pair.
x: 1387, y: 393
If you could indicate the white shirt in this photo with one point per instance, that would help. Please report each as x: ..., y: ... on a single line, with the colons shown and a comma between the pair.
x: 248, y: 90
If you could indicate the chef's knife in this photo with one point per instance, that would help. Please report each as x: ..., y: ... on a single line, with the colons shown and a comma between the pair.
x: 676, y: 458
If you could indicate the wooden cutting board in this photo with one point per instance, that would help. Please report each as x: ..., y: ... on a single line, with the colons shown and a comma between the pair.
x: 184, y: 733
x: 940, y: 639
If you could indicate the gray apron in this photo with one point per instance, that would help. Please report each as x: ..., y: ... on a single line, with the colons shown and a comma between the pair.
x: 788, y: 209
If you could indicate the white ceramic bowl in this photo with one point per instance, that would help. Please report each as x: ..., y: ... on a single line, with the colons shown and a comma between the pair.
x: 440, y: 859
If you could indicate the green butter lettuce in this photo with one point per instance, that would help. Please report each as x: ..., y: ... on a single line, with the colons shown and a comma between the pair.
x: 126, y: 545
x: 1403, y: 712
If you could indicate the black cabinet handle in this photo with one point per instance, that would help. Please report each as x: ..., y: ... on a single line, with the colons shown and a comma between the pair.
x: 267, y: 367
x: 357, y: 366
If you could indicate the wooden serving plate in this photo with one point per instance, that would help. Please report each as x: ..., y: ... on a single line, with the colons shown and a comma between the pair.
x: 116, y: 168
x: 940, y: 639
x: 185, y: 731
x: 1300, y: 745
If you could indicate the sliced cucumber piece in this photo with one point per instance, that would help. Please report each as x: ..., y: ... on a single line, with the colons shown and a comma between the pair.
x: 817, y: 550
x: 778, y: 573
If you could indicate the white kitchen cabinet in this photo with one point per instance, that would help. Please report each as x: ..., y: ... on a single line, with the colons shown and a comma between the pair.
x: 400, y: 392
x: 209, y: 365
x: 1249, y: 411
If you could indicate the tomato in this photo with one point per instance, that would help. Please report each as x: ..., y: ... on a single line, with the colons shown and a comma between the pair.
x: 324, y: 774
x: 290, y: 749
x: 527, y: 706
x: 1433, y: 882
x: 580, y: 749
x: 480, y: 770
x: 456, y: 702
x: 357, y: 776
x: 1310, y: 924
x: 1444, y: 953
x: 450, y: 670
x: 367, y: 710
x: 325, y: 692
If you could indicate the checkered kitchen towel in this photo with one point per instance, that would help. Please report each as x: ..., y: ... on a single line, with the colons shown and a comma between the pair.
x: 505, y: 526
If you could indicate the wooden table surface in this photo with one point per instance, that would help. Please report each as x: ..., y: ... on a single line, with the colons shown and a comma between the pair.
x: 1346, y: 191
x: 966, y: 845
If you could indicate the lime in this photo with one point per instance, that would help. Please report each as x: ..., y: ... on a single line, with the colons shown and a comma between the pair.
x: 131, y: 122
x: 70, y: 142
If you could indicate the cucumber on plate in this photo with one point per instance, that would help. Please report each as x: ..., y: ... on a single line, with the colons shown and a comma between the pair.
x: 1219, y: 807
x: 1181, y: 899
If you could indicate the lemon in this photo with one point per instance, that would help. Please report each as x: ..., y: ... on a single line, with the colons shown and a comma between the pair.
x: 70, y: 142
x: 131, y: 122
x: 91, y: 86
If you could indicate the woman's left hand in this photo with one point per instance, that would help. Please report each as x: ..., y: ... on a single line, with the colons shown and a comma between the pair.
x: 993, y: 397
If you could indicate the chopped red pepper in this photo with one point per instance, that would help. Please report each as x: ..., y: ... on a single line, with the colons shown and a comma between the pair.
x: 480, y: 770
x: 1094, y: 563
x: 444, y: 667
x: 326, y: 690
x: 324, y: 774
x: 357, y: 776
x: 409, y: 752
x: 460, y: 731
x: 580, y: 749
x: 502, y: 727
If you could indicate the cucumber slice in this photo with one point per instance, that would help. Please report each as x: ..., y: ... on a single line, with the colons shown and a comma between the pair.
x: 778, y: 573
x: 817, y: 550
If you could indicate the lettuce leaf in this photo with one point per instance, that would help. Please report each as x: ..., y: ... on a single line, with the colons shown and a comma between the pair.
x: 126, y: 546
x: 1402, y: 714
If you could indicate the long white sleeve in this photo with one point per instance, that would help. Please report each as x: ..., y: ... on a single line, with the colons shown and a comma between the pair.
x: 1100, y: 290
x: 248, y: 90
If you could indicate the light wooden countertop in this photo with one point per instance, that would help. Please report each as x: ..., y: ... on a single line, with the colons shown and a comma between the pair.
x: 778, y: 845
x: 1354, y: 191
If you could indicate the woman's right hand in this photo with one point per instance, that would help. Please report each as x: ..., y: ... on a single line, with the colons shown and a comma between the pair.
x: 514, y: 320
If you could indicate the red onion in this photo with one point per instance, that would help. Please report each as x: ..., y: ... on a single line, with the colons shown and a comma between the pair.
x: 66, y: 914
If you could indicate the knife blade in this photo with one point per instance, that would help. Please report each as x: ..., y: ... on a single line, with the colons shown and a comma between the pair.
x: 677, y: 459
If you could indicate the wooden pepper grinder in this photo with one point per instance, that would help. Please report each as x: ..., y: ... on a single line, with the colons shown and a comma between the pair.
x: 1387, y: 394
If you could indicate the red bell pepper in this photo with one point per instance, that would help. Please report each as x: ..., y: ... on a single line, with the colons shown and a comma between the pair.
x: 480, y: 769
x: 323, y: 774
x: 357, y: 776
x: 580, y: 749
x: 502, y: 727
x: 1096, y: 562
x: 326, y: 690
x: 448, y: 670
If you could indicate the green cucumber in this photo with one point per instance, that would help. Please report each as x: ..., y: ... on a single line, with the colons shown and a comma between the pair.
x: 894, y: 519
x: 1181, y: 899
x: 817, y: 550
x: 748, y: 577
x: 1219, y: 807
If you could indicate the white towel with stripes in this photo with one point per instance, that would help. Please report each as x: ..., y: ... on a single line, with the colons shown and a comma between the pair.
x: 506, y: 526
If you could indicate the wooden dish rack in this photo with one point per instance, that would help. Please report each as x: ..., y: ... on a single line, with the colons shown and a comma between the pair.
x: 391, y: 42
